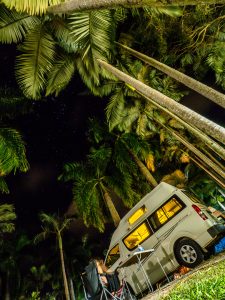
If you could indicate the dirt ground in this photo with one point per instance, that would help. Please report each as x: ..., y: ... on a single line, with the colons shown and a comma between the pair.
x: 163, y: 291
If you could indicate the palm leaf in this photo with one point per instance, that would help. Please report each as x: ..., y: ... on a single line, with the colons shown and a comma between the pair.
x: 115, y: 108
x: 88, y: 198
x: 7, y: 216
x: 3, y: 186
x: 14, y: 26
x: 12, y: 151
x: 30, y: 6
x: 60, y: 75
x: 35, y: 62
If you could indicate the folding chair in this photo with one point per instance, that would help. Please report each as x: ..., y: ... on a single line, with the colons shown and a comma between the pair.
x: 96, y: 289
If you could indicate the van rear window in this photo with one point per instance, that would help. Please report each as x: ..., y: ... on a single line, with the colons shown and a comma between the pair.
x: 166, y: 212
x: 137, y: 236
x: 137, y: 214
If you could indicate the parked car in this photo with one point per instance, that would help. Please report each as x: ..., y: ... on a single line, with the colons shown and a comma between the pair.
x: 176, y: 225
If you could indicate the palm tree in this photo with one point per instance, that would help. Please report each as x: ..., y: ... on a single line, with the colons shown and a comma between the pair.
x: 52, y: 224
x: 183, y: 112
x: 76, y: 5
x: 93, y: 185
x: 190, y: 82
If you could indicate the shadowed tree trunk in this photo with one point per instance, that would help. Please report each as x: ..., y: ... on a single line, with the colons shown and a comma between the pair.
x: 144, y: 170
x: 76, y: 5
x: 178, y: 109
x: 66, y: 287
x: 195, y: 85
x: 109, y: 203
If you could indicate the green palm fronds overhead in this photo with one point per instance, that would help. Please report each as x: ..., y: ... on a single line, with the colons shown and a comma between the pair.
x: 93, y: 32
x: 35, y: 62
x: 14, y: 25
x: 12, y: 152
x: 33, y: 7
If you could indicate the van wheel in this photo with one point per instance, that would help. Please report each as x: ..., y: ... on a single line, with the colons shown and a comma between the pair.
x: 188, y: 253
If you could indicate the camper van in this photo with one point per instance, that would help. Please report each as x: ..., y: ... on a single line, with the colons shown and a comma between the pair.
x: 174, y: 225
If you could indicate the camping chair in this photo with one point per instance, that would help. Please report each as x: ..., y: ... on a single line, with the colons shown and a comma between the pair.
x: 96, y: 289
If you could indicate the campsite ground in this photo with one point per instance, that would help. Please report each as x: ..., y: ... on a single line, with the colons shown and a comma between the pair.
x: 163, y: 291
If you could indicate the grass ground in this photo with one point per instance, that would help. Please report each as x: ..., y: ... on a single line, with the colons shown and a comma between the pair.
x: 207, y: 282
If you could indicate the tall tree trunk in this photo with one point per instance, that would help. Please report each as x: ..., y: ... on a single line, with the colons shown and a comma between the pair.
x: 197, y: 152
x: 213, y: 176
x: 144, y: 170
x: 77, y: 5
x: 195, y: 85
x: 7, y: 288
x: 109, y: 203
x: 178, y: 109
x: 199, y: 134
x: 66, y: 287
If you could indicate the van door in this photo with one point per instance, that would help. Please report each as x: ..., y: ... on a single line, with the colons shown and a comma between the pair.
x: 141, y: 235
x: 164, y: 221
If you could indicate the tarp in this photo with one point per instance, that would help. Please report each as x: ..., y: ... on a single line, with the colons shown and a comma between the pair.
x: 220, y: 246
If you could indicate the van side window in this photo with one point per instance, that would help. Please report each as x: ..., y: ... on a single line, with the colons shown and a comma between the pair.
x: 166, y: 212
x: 137, y: 236
x: 113, y: 255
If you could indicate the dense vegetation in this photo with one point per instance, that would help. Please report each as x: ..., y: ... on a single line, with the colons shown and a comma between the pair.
x: 141, y: 141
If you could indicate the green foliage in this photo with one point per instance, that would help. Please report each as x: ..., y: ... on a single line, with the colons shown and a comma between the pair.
x: 35, y: 62
x: 14, y: 26
x: 32, y: 6
x: 205, y: 284
x: 7, y: 218
x: 12, y: 152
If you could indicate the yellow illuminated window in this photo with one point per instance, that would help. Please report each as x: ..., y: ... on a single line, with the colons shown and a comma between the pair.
x: 113, y: 256
x: 138, y: 213
x: 137, y: 236
x: 167, y: 211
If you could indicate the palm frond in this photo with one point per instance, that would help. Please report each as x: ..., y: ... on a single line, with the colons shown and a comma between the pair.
x: 72, y: 171
x: 100, y: 158
x: 35, y: 62
x: 12, y: 152
x: 41, y: 237
x: 87, y: 197
x: 14, y: 26
x: 7, y: 217
x: 60, y: 75
x: 93, y: 31
x: 115, y: 108
x: 63, y: 35
x: 33, y: 7
x: 3, y: 186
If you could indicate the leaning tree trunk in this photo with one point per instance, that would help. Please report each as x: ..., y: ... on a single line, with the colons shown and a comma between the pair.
x: 109, y: 203
x: 213, y: 176
x: 178, y: 109
x: 65, y: 281
x: 199, y: 134
x: 144, y: 170
x: 195, y: 85
x: 77, y: 5
x: 197, y: 152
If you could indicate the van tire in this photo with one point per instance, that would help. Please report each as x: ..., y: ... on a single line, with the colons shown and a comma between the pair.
x: 188, y: 253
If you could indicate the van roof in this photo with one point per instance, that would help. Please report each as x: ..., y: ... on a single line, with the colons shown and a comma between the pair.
x: 160, y: 193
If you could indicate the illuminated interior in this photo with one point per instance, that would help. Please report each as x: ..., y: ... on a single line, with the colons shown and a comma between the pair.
x: 166, y: 212
x: 138, y: 213
x: 136, y: 237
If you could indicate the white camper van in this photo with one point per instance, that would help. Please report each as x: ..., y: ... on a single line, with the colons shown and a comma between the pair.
x: 178, y: 227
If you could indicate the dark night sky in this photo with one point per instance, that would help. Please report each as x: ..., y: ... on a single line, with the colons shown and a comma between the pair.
x: 55, y: 134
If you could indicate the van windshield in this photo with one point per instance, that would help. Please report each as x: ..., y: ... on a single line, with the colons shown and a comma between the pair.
x: 113, y: 256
